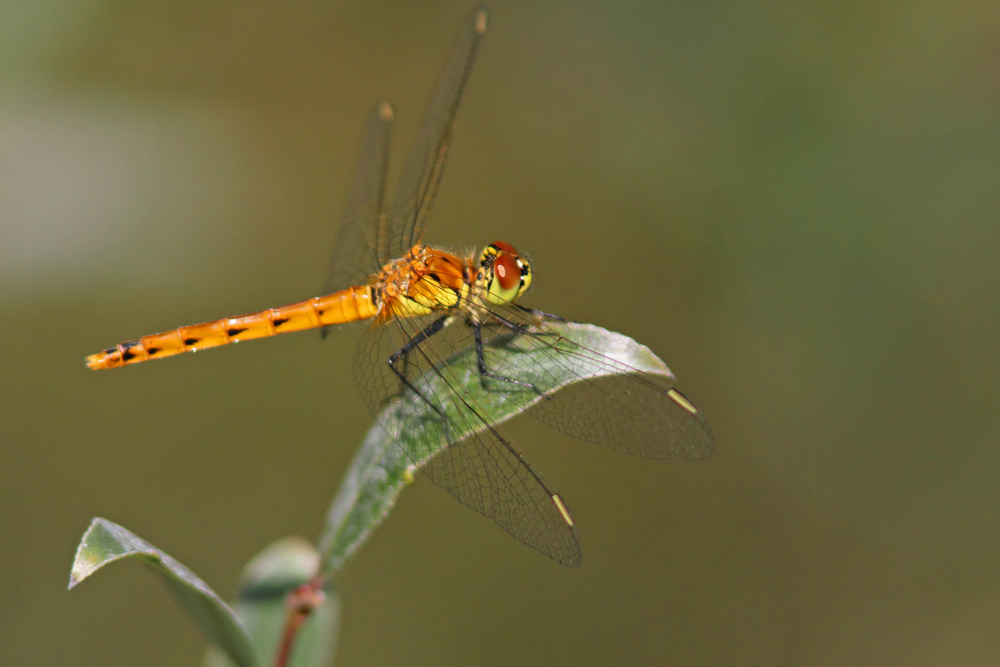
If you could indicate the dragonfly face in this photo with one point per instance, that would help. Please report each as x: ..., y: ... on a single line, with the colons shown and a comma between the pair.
x: 507, y: 275
x: 427, y: 305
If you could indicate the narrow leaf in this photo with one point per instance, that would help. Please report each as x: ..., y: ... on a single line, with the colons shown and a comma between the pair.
x: 106, y: 542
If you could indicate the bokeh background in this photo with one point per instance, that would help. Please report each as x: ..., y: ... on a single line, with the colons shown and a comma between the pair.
x: 797, y: 205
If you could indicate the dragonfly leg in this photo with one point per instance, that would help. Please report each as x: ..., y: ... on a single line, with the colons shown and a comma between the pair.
x: 481, y: 359
x: 402, y: 353
x: 522, y: 330
x: 539, y: 313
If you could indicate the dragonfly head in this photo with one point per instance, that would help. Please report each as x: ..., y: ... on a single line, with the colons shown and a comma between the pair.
x: 506, y: 273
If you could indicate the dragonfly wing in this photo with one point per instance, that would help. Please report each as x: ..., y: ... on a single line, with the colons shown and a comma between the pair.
x: 440, y: 428
x: 596, y: 396
x: 354, y: 259
x: 422, y: 172
x: 486, y: 472
x: 637, y: 414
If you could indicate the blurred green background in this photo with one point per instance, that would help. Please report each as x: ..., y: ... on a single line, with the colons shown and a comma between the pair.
x: 796, y: 205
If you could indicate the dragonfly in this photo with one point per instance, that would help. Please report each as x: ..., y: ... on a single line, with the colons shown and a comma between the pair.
x: 426, y: 304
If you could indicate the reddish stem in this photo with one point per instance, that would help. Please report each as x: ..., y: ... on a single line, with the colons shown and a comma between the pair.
x: 300, y: 604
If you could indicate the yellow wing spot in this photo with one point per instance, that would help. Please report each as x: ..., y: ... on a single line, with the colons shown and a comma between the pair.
x: 481, y: 19
x: 681, y: 401
x: 562, y: 509
x: 408, y: 476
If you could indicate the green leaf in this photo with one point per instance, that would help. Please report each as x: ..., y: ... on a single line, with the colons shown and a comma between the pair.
x: 106, y: 542
x: 260, y: 604
x: 381, y: 469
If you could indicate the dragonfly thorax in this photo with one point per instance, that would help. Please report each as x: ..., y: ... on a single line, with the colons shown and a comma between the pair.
x: 506, y: 275
x: 425, y: 280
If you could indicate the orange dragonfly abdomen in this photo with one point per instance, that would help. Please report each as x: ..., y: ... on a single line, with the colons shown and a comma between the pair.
x: 349, y: 305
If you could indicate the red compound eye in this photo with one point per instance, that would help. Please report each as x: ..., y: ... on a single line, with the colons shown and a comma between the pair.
x: 506, y: 271
x: 504, y: 248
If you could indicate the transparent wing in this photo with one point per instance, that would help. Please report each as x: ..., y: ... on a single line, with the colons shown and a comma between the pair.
x: 422, y: 172
x: 599, y: 399
x: 479, y: 466
x: 354, y: 259
x: 488, y: 473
